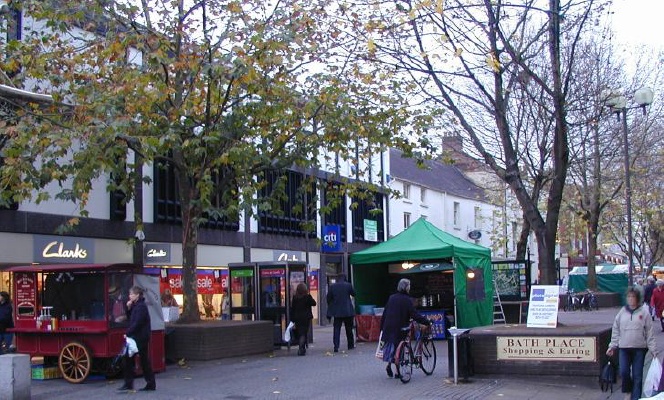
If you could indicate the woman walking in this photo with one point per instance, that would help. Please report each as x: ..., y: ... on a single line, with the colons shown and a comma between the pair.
x: 632, y: 335
x: 6, y: 322
x: 301, y: 315
x: 139, y: 330
x: 395, y: 321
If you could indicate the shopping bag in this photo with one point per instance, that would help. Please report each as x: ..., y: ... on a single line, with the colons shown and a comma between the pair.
x: 651, y: 381
x: 607, y: 377
x: 131, y: 347
x: 287, y: 333
x: 380, y: 348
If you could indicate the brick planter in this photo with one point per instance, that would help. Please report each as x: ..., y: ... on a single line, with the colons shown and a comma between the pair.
x: 212, y: 340
x: 485, y: 359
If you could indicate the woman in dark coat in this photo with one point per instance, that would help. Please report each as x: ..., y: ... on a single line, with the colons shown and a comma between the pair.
x: 301, y: 315
x: 6, y: 321
x: 395, y: 321
x: 139, y: 329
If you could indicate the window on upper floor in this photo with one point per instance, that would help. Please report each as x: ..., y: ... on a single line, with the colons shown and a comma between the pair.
x: 292, y: 204
x: 370, y: 207
x: 406, y: 191
x: 11, y: 23
x: 457, y: 214
x: 423, y: 195
x: 167, y: 208
x: 406, y: 220
x: 478, y: 217
x: 515, y: 235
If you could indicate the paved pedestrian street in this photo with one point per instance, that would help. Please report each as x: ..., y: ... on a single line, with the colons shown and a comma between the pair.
x: 322, y: 374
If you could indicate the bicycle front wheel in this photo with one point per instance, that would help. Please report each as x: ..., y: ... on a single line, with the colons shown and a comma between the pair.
x: 428, y: 362
x: 404, y: 362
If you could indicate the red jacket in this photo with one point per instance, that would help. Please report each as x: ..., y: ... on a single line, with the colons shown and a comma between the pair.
x: 657, y: 300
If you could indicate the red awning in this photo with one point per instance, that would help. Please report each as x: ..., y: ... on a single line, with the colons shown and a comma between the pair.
x: 74, y: 267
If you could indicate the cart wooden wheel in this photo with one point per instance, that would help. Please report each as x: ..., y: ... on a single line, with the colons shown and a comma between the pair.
x: 75, y: 362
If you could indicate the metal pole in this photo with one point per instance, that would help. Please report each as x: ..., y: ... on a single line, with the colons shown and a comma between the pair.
x: 628, y: 197
x: 456, y: 361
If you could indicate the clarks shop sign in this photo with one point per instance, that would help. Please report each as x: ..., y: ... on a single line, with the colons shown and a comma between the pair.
x: 157, y: 253
x: 63, y: 249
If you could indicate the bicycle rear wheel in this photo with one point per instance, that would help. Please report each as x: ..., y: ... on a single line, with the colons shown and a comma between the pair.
x: 404, y: 362
x: 428, y: 362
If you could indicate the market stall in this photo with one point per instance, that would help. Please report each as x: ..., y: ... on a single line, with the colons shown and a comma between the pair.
x: 72, y: 315
x: 449, y: 276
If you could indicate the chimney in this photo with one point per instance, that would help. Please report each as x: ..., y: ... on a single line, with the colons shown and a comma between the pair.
x: 452, y: 143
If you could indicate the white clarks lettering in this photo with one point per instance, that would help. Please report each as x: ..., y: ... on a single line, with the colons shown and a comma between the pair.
x: 156, y: 253
x: 51, y: 251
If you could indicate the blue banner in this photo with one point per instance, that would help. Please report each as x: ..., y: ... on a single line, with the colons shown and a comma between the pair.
x: 331, y: 239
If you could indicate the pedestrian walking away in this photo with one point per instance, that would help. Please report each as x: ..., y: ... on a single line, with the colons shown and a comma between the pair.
x: 632, y: 335
x: 139, y: 329
x: 340, y: 307
x: 301, y: 315
x: 647, y: 294
x: 395, y: 321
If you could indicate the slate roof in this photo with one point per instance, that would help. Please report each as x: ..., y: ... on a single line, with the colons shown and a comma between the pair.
x: 435, y: 175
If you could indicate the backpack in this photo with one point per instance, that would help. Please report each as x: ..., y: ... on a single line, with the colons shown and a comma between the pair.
x: 607, y: 377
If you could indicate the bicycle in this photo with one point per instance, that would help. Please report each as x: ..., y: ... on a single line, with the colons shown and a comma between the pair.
x: 424, y: 356
x: 591, y: 301
x: 573, y: 302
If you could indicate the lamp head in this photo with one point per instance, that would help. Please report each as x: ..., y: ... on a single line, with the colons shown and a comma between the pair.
x: 643, y: 96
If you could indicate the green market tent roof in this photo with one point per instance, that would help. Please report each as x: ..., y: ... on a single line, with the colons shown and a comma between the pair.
x: 421, y: 241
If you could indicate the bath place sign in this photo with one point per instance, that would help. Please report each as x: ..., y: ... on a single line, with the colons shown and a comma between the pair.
x: 543, y: 348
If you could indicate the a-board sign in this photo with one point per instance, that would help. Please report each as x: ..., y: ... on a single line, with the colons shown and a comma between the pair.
x: 543, y: 306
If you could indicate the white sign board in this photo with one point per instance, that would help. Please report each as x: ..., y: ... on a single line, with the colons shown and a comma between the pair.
x: 370, y: 230
x: 546, y: 348
x: 543, y: 306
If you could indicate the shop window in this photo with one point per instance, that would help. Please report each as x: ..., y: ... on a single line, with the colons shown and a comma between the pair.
x: 292, y: 204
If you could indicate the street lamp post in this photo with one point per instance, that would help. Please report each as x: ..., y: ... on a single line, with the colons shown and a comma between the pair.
x: 643, y: 97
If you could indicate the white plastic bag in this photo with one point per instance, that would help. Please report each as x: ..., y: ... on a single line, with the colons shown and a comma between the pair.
x: 380, y: 347
x: 131, y: 347
x: 651, y: 381
x: 287, y: 333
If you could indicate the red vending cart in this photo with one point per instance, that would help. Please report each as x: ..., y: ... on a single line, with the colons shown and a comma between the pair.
x: 73, y: 315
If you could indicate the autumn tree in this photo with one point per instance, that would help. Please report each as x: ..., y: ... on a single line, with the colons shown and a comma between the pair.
x: 469, y: 59
x: 220, y: 91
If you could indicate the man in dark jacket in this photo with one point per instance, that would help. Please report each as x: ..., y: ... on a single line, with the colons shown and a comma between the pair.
x: 340, y: 306
x: 139, y: 330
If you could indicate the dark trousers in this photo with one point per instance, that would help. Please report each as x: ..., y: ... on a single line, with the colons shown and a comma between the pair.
x: 348, y: 324
x: 146, y: 366
x: 631, y: 370
x: 302, y: 331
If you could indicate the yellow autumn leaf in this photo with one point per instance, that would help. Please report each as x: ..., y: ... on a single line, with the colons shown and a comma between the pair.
x: 493, y: 62
x: 458, y: 52
x: 234, y: 7
x: 444, y: 38
x: 439, y: 6
x: 371, y: 46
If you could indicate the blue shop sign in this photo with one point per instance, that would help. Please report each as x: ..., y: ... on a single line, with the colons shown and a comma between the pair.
x: 331, y: 239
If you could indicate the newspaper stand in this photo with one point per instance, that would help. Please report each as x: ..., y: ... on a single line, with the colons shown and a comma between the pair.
x: 74, y: 315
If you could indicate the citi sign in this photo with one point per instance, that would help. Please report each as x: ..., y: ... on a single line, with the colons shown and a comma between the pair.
x: 331, y: 239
